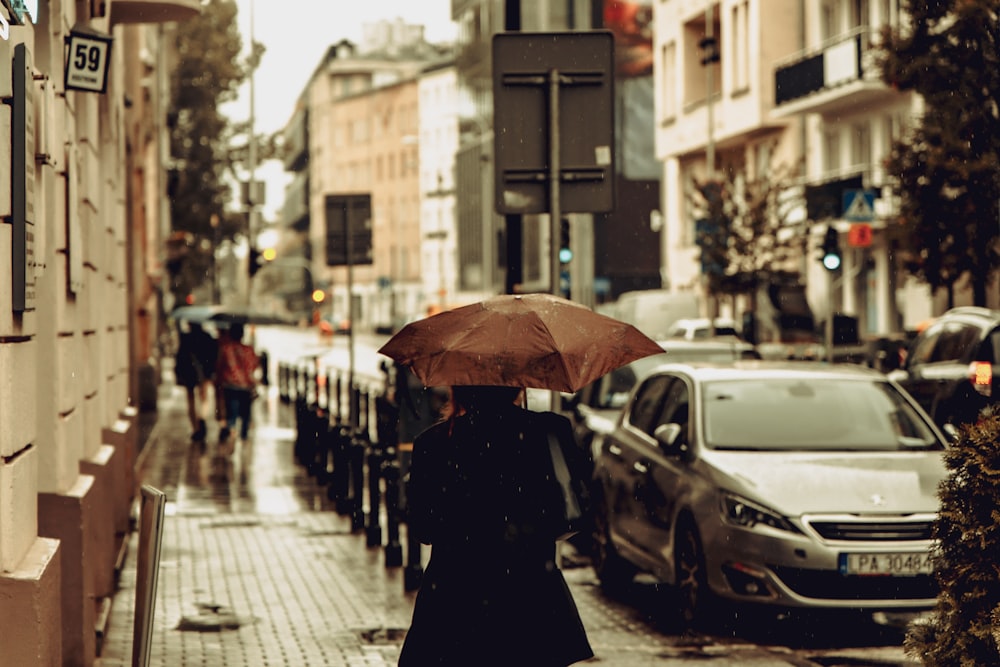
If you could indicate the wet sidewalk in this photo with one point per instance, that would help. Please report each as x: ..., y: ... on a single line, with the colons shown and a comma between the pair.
x: 256, y: 567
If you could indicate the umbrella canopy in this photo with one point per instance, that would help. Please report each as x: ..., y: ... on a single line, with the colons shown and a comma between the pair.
x: 200, y: 314
x: 224, y: 315
x: 530, y: 340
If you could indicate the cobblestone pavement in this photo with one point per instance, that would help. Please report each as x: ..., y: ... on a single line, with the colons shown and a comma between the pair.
x: 256, y: 568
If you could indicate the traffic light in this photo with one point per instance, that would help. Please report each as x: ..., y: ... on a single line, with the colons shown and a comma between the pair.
x: 565, y: 249
x: 830, y: 251
x: 255, y: 261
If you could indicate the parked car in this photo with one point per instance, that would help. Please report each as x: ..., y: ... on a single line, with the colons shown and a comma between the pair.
x: 952, y: 367
x: 789, y: 484
x: 697, y: 328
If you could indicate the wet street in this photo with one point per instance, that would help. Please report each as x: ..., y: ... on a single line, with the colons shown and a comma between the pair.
x: 258, y: 568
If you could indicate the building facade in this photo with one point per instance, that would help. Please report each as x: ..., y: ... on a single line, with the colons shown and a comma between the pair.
x: 796, y: 85
x: 81, y: 204
x: 437, y: 91
x: 360, y: 117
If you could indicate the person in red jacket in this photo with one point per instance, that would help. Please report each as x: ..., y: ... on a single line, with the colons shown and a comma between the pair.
x: 236, y: 377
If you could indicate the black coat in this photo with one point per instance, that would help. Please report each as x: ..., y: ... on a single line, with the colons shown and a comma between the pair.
x: 481, y: 492
x: 196, y: 356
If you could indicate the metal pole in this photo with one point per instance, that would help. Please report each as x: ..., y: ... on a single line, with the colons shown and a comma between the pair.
x: 713, y: 301
x: 555, y: 169
x: 252, y: 147
x: 349, y: 237
x: 709, y: 84
x: 828, y: 334
x: 487, y: 212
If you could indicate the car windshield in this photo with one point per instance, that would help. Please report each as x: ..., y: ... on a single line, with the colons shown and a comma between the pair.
x: 811, y: 414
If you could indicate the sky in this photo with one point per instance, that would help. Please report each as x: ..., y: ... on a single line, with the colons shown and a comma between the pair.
x: 296, y: 34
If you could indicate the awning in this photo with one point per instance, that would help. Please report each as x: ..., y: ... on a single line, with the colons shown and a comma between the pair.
x: 153, y: 11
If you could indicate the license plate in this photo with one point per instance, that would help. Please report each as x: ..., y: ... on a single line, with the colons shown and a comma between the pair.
x: 886, y: 565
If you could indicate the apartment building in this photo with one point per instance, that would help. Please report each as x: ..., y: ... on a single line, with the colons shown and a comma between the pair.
x: 437, y: 91
x: 82, y: 225
x: 358, y: 123
x: 716, y: 119
x: 795, y: 83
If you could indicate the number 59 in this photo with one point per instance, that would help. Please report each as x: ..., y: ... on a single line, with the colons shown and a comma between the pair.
x: 87, y: 57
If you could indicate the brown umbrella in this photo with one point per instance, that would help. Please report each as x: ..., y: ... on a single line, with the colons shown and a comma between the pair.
x: 528, y: 340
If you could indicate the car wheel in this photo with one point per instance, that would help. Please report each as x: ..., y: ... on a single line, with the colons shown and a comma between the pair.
x: 613, y: 571
x: 691, y: 577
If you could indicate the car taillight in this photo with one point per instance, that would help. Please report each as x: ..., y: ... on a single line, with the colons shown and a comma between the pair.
x: 981, y: 377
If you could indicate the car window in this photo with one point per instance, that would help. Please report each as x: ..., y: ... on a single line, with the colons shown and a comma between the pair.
x: 991, y: 348
x: 646, y: 404
x: 801, y: 414
x: 675, y: 407
x: 923, y: 347
x: 614, y: 388
x: 956, y: 342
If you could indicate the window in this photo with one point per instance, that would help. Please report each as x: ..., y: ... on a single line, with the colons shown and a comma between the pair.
x: 740, y: 49
x: 861, y: 145
x: 668, y: 92
x: 924, y: 347
x: 675, y: 407
x: 831, y: 150
x: 956, y: 343
x: 646, y: 404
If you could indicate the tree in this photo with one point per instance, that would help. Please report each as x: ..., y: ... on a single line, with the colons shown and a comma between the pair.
x: 947, y: 168
x: 208, y: 73
x: 750, y: 229
x: 961, y: 630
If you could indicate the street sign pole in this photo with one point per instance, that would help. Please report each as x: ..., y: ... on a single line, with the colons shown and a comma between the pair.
x: 555, y: 209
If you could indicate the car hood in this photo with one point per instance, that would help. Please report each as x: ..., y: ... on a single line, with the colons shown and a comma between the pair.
x: 796, y: 483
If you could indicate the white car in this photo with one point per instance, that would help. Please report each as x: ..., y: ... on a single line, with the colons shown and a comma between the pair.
x: 787, y: 484
x: 698, y: 328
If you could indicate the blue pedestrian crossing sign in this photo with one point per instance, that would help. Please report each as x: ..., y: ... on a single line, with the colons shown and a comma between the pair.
x: 859, y: 205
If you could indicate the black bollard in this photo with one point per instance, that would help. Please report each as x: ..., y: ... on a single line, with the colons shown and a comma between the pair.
x: 282, y: 383
x: 265, y: 368
x: 357, y: 455
x: 374, y: 522
x: 393, y: 547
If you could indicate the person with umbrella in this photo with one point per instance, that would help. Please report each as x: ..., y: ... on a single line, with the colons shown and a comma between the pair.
x: 487, y: 487
x: 236, y: 372
x: 194, y: 369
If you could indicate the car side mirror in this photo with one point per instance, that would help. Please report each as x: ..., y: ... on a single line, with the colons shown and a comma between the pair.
x: 952, y: 432
x: 669, y: 438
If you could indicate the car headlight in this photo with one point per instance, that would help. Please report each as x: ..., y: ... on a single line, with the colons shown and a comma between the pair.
x: 742, y: 512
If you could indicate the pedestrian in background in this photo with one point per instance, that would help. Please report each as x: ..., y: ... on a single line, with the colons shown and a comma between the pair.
x: 236, y: 376
x: 480, y: 492
x: 194, y: 370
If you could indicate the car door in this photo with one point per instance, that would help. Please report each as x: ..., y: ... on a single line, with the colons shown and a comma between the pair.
x: 660, y: 475
x: 630, y: 442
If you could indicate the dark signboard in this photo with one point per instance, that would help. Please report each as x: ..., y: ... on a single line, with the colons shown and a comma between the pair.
x: 348, y: 229
x: 530, y: 70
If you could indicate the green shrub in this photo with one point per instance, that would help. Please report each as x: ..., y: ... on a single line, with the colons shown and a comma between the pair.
x: 961, y: 632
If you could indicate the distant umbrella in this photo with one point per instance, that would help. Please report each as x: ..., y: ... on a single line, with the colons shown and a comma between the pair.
x: 225, y: 315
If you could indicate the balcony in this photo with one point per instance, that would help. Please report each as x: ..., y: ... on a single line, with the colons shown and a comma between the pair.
x: 153, y: 11
x: 296, y: 135
x: 840, y: 77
